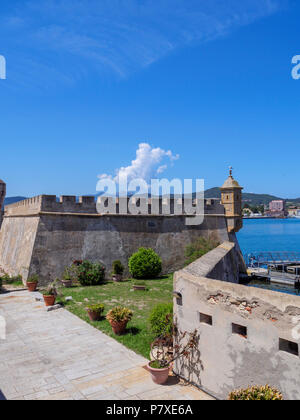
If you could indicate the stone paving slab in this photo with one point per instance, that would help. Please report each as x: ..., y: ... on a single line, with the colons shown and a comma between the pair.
x: 57, y: 356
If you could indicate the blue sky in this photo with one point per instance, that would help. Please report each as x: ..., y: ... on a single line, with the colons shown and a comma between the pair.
x: 204, y: 84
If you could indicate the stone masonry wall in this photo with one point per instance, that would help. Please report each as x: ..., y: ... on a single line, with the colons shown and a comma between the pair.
x: 229, y: 356
x: 61, y: 231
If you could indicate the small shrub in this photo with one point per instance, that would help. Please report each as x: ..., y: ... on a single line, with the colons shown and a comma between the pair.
x: 198, y: 248
x: 6, y: 279
x: 33, y: 279
x: 90, y: 274
x: 145, y: 264
x: 51, y: 289
x: 161, y: 319
x: 119, y: 314
x: 118, y: 267
x: 98, y: 308
x: 71, y: 273
x: 263, y: 393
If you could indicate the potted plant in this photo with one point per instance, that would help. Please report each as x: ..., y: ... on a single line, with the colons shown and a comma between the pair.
x: 139, y: 285
x: 162, y: 358
x: 32, y: 283
x: 118, y: 318
x: 68, y: 276
x: 95, y: 311
x: 50, y: 294
x: 118, y: 270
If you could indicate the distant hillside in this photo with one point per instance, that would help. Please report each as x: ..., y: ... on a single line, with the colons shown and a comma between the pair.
x: 11, y: 200
x: 250, y: 198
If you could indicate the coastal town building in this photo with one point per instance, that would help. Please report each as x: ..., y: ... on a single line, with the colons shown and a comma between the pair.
x: 294, y: 211
x: 277, y: 205
x: 277, y: 209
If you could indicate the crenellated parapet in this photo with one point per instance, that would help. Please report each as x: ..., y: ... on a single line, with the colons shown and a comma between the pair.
x: 44, y: 234
x: 113, y: 206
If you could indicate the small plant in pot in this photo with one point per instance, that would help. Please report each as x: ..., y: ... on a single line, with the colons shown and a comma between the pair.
x: 95, y: 312
x: 118, y: 318
x: 32, y: 283
x: 68, y: 277
x: 162, y: 358
x: 50, y: 294
x: 139, y: 285
x: 118, y: 270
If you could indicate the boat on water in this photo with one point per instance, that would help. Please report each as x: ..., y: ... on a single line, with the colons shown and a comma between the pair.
x: 276, y: 267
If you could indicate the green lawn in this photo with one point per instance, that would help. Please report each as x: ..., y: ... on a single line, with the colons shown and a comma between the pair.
x: 138, y: 336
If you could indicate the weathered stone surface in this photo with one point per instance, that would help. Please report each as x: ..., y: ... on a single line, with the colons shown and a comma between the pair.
x: 43, y: 236
x: 57, y: 356
x: 2, y: 198
x: 225, y: 359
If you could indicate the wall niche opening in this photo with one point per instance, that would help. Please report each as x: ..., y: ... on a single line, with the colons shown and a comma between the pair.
x: 240, y: 330
x: 206, y: 319
x: 288, y: 347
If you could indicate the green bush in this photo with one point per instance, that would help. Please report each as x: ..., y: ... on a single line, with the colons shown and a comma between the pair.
x: 118, y: 267
x: 161, y: 319
x: 90, y: 274
x: 198, y: 248
x: 145, y: 264
x: 262, y: 393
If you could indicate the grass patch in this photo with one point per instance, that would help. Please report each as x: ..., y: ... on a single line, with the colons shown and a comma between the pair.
x: 138, y: 336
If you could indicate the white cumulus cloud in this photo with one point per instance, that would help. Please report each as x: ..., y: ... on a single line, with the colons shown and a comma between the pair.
x: 149, y: 162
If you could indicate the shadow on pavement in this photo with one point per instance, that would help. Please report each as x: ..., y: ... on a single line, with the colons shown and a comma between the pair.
x: 2, y: 396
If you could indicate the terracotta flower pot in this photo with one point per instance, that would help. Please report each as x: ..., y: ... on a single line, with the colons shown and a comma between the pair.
x: 159, y: 376
x: 49, y: 300
x: 93, y: 315
x: 31, y: 286
x: 118, y: 327
x: 67, y: 283
x: 117, y: 277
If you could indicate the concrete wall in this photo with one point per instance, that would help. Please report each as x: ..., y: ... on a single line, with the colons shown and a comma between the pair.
x: 61, y: 231
x: 226, y: 360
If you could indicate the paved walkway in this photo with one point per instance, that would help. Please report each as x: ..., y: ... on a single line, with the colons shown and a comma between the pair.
x: 55, y: 355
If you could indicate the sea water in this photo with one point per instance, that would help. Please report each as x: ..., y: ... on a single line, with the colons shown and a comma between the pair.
x: 270, y: 235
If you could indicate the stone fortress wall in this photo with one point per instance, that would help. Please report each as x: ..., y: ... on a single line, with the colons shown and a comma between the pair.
x: 2, y: 198
x: 247, y: 336
x: 44, y: 234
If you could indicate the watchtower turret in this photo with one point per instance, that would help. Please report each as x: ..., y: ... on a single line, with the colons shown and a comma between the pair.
x: 231, y: 193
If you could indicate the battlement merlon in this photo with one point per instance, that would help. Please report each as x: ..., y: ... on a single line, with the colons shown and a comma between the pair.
x: 87, y: 205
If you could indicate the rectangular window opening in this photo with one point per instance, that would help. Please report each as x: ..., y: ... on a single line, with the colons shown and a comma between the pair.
x: 206, y: 319
x: 288, y: 347
x: 240, y: 330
